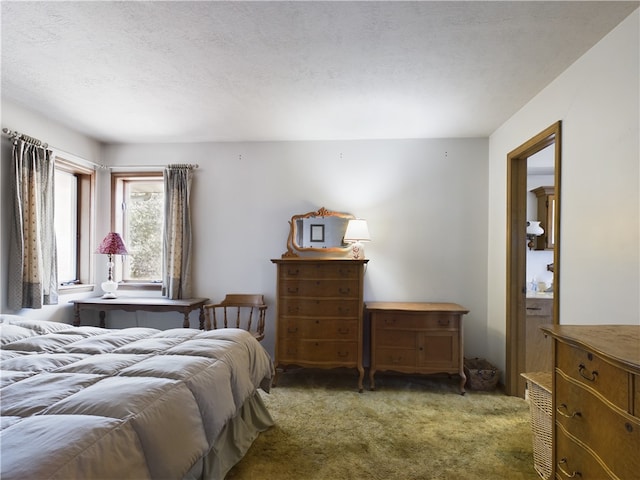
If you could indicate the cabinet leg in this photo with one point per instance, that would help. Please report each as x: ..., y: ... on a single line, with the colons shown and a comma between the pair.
x: 103, y: 322
x: 463, y: 381
x: 360, y: 378
x: 372, y: 382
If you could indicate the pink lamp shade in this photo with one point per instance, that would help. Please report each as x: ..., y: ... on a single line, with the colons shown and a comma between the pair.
x: 112, y: 245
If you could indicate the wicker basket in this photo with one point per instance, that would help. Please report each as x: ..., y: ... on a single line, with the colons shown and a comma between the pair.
x: 539, y: 393
x: 481, y: 375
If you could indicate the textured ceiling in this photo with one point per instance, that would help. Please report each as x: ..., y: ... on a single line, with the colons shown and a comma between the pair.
x: 253, y: 71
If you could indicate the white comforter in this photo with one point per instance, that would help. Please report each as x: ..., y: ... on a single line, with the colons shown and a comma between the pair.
x: 85, y: 402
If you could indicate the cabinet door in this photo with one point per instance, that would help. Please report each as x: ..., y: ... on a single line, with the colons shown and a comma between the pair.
x: 538, y: 355
x: 547, y: 216
x: 439, y: 351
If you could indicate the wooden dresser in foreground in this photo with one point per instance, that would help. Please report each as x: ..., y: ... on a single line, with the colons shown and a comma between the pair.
x: 319, y: 313
x: 420, y: 337
x: 596, y: 401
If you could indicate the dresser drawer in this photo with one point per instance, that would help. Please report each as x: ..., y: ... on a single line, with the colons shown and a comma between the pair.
x: 325, y: 328
x: 293, y: 350
x: 572, y: 461
x: 319, y: 307
x: 435, y: 321
x: 593, y: 372
x: 347, y: 288
x: 406, y: 339
x: 539, y: 307
x: 304, y: 270
x: 611, y: 435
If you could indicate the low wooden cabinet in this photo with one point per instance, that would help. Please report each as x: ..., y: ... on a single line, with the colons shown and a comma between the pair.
x: 319, y: 313
x: 537, y: 345
x: 596, y: 401
x: 417, y: 338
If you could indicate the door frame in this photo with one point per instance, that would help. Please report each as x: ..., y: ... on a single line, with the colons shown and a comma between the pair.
x: 517, y: 254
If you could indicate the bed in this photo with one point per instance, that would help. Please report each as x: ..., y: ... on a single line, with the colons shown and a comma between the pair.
x: 135, y: 403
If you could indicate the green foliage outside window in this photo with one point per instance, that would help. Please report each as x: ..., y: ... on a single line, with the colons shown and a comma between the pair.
x: 145, y: 213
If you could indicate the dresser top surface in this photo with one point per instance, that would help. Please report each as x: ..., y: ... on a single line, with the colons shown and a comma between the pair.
x: 415, y: 307
x: 619, y: 343
x: 318, y: 260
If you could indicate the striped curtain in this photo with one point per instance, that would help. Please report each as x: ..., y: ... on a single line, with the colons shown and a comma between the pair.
x: 33, y: 275
x: 176, y: 265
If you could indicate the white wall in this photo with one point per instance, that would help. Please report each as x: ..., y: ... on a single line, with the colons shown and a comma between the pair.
x: 424, y: 200
x: 597, y: 99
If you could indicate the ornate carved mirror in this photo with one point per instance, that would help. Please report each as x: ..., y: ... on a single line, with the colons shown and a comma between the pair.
x: 318, y: 233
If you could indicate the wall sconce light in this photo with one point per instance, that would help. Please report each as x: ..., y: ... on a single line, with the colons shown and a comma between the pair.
x: 356, y: 233
x: 533, y: 230
x: 111, y: 245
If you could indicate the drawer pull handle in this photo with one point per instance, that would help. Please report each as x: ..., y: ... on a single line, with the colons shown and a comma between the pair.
x: 293, y: 273
x: 345, y: 291
x: 443, y: 323
x: 292, y: 329
x: 565, y: 473
x: 343, y: 354
x: 343, y: 331
x: 587, y: 376
x: 563, y: 410
x: 292, y: 290
x: 628, y: 427
x: 534, y: 308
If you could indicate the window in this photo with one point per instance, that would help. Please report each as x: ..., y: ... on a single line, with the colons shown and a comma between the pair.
x: 138, y: 213
x: 73, y: 213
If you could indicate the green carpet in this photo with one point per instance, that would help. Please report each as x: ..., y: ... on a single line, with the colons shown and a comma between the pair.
x: 409, y: 428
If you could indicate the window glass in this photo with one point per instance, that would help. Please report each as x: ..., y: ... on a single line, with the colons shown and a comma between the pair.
x: 140, y: 219
x: 74, y: 186
x: 66, y: 226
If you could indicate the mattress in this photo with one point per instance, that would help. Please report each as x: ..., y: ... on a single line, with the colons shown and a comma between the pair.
x: 87, y: 402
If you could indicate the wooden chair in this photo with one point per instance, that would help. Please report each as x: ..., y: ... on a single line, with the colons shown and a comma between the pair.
x: 238, y: 310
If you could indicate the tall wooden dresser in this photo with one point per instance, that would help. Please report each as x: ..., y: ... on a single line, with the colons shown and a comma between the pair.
x: 596, y: 401
x: 319, y: 313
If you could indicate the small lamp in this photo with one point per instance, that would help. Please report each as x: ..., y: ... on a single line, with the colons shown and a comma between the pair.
x: 357, y: 232
x: 533, y: 230
x: 111, y: 245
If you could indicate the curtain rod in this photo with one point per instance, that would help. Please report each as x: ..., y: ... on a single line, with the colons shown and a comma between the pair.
x: 27, y: 138
x: 137, y: 167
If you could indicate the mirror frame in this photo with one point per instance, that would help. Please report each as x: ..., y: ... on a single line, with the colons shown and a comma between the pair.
x: 294, y: 250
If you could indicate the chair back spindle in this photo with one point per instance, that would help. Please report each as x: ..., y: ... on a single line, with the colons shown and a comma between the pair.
x: 242, y: 308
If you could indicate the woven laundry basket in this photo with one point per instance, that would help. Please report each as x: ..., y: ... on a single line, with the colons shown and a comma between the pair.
x: 539, y: 393
x: 481, y: 374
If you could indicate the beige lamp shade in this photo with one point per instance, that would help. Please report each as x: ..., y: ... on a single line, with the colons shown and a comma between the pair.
x: 356, y: 233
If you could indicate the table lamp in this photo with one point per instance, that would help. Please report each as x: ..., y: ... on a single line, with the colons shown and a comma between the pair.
x: 356, y: 233
x: 111, y: 245
x: 533, y: 230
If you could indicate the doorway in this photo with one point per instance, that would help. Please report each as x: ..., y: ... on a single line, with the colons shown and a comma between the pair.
x: 516, y: 331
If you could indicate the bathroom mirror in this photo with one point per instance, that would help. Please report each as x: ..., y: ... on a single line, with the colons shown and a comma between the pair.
x: 317, y: 233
